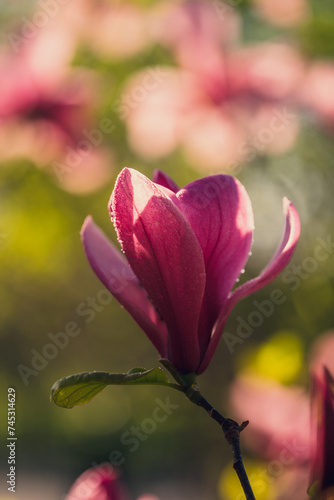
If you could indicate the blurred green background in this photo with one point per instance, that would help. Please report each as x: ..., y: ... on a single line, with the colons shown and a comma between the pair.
x: 46, y: 282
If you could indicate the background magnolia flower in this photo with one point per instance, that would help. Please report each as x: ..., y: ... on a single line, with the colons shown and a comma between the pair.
x: 284, y: 12
x: 222, y: 110
x: 100, y: 483
x: 46, y: 112
x: 186, y: 248
x: 113, y: 29
x: 290, y: 427
x: 322, y: 464
x: 220, y: 104
x: 316, y: 93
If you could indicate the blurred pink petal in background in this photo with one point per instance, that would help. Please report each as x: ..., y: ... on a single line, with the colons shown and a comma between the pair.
x: 112, y: 29
x: 279, y: 416
x: 155, y: 104
x: 46, y: 109
x: 322, y: 463
x: 232, y: 101
x: 285, y: 427
x: 317, y: 93
x: 283, y: 13
x: 100, y: 483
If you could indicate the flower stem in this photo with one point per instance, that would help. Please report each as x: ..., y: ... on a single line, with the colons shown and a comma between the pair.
x: 231, y: 430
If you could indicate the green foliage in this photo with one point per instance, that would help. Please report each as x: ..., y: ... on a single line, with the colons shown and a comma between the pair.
x: 317, y: 37
x: 82, y: 388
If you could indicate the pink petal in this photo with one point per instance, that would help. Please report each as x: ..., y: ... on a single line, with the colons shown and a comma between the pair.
x: 97, y: 483
x: 322, y: 353
x: 279, y: 261
x: 161, y: 178
x: 116, y: 274
x: 163, y: 251
x: 220, y: 212
x: 148, y: 497
x: 279, y: 416
x: 322, y: 427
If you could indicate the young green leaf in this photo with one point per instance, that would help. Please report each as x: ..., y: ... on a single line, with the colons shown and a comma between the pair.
x: 81, y: 388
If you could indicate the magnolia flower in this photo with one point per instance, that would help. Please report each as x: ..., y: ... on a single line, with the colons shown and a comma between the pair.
x: 100, y: 483
x: 316, y: 93
x: 322, y: 463
x: 186, y: 249
x: 281, y: 431
x: 224, y: 102
x: 46, y: 112
x: 112, y: 29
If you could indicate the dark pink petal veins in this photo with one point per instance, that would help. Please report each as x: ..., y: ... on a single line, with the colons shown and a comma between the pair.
x: 117, y: 276
x: 279, y: 261
x: 219, y: 211
x: 164, y: 253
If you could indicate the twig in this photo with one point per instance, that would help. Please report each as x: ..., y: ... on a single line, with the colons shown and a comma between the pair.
x: 231, y: 430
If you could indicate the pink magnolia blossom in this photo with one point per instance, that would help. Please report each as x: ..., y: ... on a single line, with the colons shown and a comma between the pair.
x: 100, y: 483
x: 186, y: 248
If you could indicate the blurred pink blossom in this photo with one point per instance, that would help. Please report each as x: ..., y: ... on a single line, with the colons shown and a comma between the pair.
x: 283, y: 13
x: 322, y: 353
x: 316, y: 93
x: 322, y: 462
x: 223, y: 105
x: 100, y: 483
x: 113, y: 29
x: 281, y: 418
x: 45, y: 109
